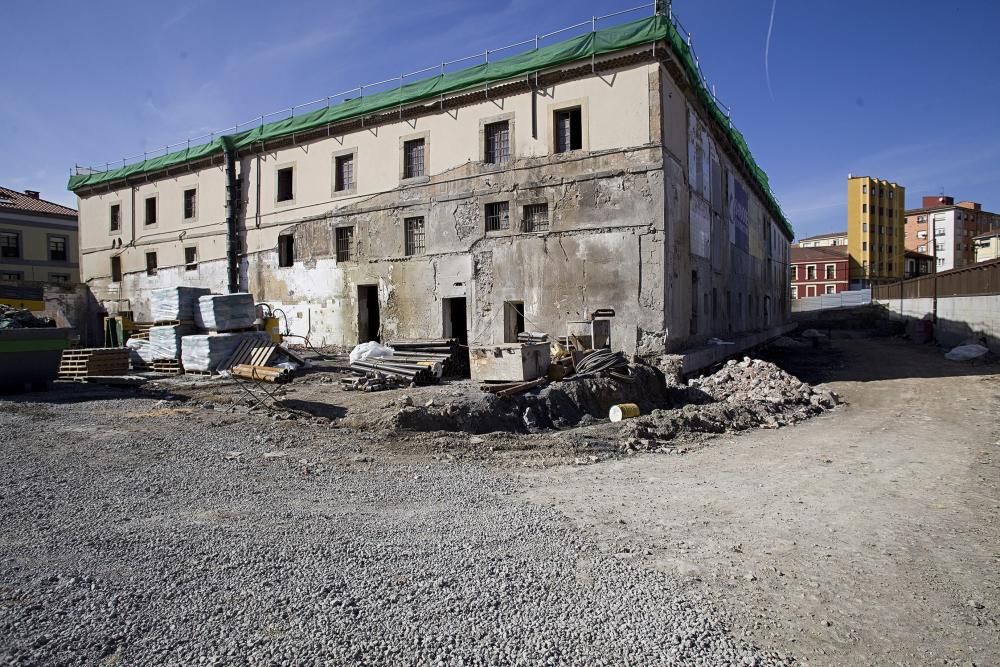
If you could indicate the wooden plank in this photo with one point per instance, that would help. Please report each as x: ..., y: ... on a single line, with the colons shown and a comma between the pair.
x: 238, y: 354
x: 261, y: 354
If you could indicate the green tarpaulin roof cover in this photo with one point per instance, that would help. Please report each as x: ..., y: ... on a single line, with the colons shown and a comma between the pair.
x: 607, y: 40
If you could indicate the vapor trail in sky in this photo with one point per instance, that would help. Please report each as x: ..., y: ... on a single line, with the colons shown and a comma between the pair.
x: 767, y: 49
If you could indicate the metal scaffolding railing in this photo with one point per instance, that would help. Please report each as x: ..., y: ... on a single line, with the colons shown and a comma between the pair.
x: 481, y: 57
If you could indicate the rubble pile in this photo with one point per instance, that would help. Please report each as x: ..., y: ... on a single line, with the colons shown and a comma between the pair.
x: 759, y: 380
x: 20, y: 318
x: 742, y: 395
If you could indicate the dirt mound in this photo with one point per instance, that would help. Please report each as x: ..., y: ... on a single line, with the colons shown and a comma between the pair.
x: 557, y: 405
x: 740, y: 396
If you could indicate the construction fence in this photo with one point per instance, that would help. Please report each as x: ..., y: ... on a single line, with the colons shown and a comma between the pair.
x: 978, y: 280
x: 848, y: 299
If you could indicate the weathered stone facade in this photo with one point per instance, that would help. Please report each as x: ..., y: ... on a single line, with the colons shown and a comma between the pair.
x: 619, y: 232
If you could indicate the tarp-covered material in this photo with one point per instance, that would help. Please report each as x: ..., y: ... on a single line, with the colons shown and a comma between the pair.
x: 624, y: 36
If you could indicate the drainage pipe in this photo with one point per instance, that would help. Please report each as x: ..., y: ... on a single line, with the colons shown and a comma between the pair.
x: 233, y: 200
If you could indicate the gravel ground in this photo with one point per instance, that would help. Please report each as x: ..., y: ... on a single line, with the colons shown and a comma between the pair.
x: 139, y: 531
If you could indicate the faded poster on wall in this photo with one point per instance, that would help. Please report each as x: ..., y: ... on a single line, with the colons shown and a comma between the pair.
x: 740, y: 212
x: 701, y: 228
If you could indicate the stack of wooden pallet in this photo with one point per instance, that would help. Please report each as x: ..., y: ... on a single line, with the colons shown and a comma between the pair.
x: 80, y: 363
x: 170, y: 366
x: 453, y: 357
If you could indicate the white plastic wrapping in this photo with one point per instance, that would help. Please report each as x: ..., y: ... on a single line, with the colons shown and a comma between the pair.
x: 165, y: 341
x: 140, y: 352
x: 225, y: 312
x: 203, y: 352
x: 175, y: 303
x: 371, y: 350
x: 966, y: 352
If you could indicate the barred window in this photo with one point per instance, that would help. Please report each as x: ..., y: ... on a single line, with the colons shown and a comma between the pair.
x: 415, y: 244
x: 344, y: 172
x: 536, y: 218
x: 10, y: 245
x: 59, y: 277
x: 11, y: 276
x: 497, y: 149
x: 116, y: 217
x: 345, y: 244
x: 413, y: 158
x: 497, y: 216
x: 150, y: 263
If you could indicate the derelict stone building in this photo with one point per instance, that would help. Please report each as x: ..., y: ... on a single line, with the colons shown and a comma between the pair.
x: 526, y: 191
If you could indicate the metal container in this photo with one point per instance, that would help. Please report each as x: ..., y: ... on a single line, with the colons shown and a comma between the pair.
x: 623, y: 411
x: 593, y: 334
x: 31, y: 356
x: 509, y: 362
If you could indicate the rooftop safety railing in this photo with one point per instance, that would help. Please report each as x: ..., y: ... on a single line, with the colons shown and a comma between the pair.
x: 482, y: 57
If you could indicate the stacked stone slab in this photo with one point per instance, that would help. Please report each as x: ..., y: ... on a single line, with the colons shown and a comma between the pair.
x: 175, y: 303
x: 225, y: 312
x: 165, y: 340
x: 207, y: 352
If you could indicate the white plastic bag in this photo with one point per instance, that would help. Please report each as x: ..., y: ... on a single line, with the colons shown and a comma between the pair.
x: 371, y: 350
x: 966, y: 352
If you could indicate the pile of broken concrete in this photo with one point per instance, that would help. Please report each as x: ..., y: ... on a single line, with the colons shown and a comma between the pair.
x: 759, y: 380
x: 20, y: 318
x: 742, y: 395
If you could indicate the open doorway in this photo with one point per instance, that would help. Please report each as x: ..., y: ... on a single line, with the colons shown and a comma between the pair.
x: 513, y: 320
x: 369, y: 320
x: 455, y: 324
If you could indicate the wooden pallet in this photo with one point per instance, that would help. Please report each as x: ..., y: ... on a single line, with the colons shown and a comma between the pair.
x: 252, y: 353
x: 214, y: 332
x: 81, y: 362
x: 173, y: 323
x: 192, y: 372
x: 171, y: 366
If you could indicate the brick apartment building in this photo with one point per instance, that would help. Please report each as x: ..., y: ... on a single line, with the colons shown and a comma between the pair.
x: 819, y: 270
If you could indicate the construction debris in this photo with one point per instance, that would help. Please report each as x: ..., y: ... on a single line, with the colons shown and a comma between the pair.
x: 373, y: 381
x: 453, y: 356
x: 740, y: 396
x: 759, y: 381
x: 415, y: 373
x: 21, y: 318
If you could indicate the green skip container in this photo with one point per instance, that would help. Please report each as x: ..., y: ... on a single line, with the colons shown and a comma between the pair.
x: 29, y: 358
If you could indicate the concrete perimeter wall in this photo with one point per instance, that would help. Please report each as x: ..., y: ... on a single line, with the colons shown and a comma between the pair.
x: 959, y: 317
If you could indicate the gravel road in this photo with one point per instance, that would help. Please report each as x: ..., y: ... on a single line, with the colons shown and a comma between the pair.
x: 142, y: 532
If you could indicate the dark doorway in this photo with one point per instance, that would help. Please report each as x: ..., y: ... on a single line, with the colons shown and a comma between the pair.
x: 513, y: 320
x: 369, y: 320
x: 455, y: 325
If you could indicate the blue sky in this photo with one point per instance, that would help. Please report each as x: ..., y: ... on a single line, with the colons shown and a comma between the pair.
x: 907, y: 91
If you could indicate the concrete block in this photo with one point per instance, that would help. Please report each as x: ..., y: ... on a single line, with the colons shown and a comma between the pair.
x: 510, y: 362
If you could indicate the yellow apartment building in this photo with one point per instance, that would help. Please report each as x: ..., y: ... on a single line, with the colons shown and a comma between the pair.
x: 875, y: 230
